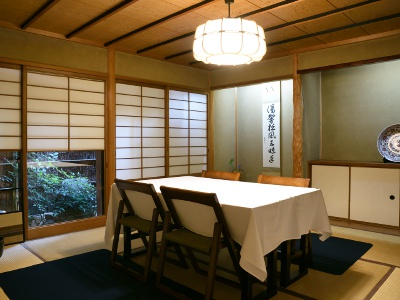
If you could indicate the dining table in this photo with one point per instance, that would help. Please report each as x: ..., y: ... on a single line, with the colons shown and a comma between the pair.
x: 259, y: 216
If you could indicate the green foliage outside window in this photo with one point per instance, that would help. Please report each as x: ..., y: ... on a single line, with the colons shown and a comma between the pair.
x: 55, y: 194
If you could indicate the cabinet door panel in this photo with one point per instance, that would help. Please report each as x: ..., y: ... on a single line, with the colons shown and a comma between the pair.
x: 333, y: 181
x: 11, y: 228
x: 371, y: 190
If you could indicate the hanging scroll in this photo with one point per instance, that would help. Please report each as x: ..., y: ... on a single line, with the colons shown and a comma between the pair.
x: 271, y: 134
x: 271, y: 103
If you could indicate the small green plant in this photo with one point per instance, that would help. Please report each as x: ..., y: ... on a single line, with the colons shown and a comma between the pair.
x: 237, y: 169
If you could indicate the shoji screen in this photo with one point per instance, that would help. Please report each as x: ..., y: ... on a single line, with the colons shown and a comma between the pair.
x: 11, y: 218
x: 140, y: 131
x: 187, y: 133
x: 64, y: 113
x: 10, y: 109
x: 86, y: 114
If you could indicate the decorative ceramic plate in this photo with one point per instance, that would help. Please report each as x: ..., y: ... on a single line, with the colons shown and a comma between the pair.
x: 389, y: 143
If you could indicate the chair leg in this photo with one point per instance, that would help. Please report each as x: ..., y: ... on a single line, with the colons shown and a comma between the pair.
x: 117, y: 232
x: 127, y: 241
x: 162, y: 259
x: 212, y: 269
x: 163, y: 249
x: 194, y: 263
x: 144, y: 240
x: 150, y: 245
x: 181, y: 262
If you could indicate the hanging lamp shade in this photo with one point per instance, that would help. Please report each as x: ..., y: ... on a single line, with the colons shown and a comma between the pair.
x: 229, y: 41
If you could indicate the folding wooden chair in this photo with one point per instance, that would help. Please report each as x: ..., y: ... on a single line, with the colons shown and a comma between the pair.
x: 287, y: 251
x: 143, y: 219
x: 221, y: 175
x: 199, y: 225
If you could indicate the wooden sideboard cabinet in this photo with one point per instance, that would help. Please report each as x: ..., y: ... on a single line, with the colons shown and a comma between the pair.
x: 358, y: 191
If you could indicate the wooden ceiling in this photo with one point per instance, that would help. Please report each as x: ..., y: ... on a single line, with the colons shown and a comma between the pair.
x: 164, y: 29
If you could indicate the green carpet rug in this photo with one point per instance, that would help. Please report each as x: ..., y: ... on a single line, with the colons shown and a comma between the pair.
x: 90, y: 276
x: 85, y: 276
x: 336, y: 255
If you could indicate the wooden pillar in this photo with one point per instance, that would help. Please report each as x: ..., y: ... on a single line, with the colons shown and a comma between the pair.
x: 110, y: 146
x: 297, y: 145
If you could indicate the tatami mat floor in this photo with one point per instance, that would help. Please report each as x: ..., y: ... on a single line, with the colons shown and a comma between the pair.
x: 375, y: 276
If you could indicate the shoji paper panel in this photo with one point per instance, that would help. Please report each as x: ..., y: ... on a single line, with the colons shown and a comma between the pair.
x: 128, y: 131
x: 64, y: 113
x: 10, y: 109
x: 140, y: 131
x: 153, y: 132
x: 47, y: 112
x: 86, y: 100
x: 198, y: 132
x: 187, y: 132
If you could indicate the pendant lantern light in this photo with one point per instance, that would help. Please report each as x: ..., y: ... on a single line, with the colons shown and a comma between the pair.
x: 229, y: 41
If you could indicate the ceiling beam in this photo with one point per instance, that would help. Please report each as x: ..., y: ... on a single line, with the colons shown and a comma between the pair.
x: 162, y: 20
x: 40, y: 12
x: 101, y: 17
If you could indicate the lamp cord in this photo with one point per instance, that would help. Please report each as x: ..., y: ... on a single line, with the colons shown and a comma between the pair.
x: 229, y: 6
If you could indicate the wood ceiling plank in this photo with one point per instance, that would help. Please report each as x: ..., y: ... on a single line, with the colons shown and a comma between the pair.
x: 383, y: 26
x: 219, y: 9
x: 347, y: 34
x: 266, y: 20
x: 192, y: 32
x: 168, y: 49
x: 343, y: 3
x: 18, y: 11
x: 325, y: 23
x: 39, y: 13
x: 184, y: 25
x: 101, y: 17
x: 374, y: 10
x: 273, y: 51
x: 65, y: 16
x: 301, y: 9
x: 283, y: 34
x: 112, y: 27
x: 182, y: 3
x: 303, y: 43
x: 174, y: 15
x: 146, y: 38
x: 263, y: 3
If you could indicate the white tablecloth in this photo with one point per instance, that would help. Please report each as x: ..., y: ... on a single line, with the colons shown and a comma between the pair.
x: 259, y: 216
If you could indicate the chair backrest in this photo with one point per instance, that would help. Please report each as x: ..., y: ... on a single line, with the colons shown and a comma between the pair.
x: 221, y: 175
x: 292, y: 181
x: 140, y: 198
x: 196, y: 211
